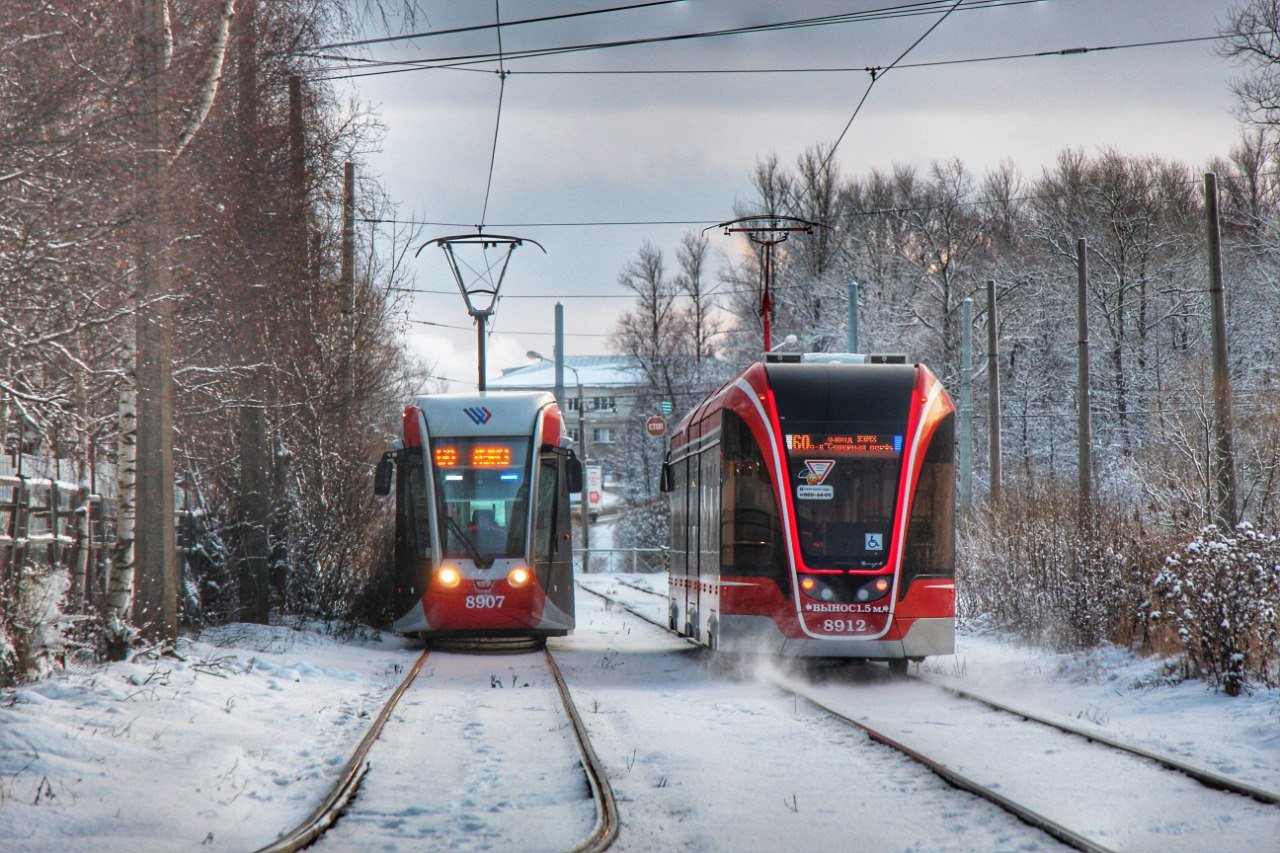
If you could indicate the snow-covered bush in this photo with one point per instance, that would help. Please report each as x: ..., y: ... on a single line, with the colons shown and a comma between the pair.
x: 1032, y: 568
x: 1221, y: 594
x: 32, y: 622
x: 644, y: 524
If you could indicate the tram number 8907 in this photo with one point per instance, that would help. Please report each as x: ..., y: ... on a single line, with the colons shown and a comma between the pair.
x: 484, y: 602
x: 844, y: 626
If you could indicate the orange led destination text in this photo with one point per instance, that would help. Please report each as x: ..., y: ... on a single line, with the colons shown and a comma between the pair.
x: 490, y: 457
x: 446, y: 457
x: 804, y: 443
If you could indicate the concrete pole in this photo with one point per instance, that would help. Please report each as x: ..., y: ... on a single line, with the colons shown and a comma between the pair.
x: 156, y: 602
x: 966, y: 405
x: 1224, y: 477
x: 993, y: 392
x: 853, y: 316
x: 559, y: 354
x: 585, y: 503
x: 1085, y: 467
x: 480, y: 355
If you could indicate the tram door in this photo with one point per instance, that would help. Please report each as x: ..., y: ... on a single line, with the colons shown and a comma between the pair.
x: 692, y: 551
x: 709, y: 539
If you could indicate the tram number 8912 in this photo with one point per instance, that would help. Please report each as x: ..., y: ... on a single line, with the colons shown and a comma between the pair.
x: 844, y: 626
x: 483, y: 602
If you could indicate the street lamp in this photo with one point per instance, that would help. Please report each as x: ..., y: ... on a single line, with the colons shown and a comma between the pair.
x: 585, y: 504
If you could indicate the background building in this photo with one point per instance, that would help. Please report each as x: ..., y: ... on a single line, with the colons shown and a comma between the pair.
x: 609, y: 384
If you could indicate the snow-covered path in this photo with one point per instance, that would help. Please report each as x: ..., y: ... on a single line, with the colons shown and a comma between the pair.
x: 477, y: 756
x: 241, y: 739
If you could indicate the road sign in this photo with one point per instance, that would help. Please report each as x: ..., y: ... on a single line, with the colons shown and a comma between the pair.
x: 595, y: 485
x: 666, y: 407
x: 655, y: 426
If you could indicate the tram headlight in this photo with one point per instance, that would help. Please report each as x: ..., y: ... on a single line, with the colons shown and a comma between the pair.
x: 816, y: 589
x: 518, y: 577
x: 448, y: 577
x: 874, y: 590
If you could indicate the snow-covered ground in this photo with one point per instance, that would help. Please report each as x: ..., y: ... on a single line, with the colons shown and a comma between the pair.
x: 239, y: 739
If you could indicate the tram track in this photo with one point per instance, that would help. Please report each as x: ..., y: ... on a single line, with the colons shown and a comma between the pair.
x: 960, y: 781
x: 604, y: 829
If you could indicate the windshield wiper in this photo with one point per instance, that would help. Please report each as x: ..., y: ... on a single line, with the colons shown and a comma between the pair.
x: 461, y: 533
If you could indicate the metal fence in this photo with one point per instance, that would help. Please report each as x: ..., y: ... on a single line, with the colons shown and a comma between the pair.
x: 615, y: 560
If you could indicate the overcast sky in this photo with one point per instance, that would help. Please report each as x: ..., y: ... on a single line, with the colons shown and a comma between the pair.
x: 588, y: 148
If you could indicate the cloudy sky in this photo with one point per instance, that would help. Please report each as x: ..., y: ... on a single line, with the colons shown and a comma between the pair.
x: 588, y: 148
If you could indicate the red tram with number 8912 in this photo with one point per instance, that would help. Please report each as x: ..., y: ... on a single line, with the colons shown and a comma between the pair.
x: 483, y: 545
x: 812, y: 511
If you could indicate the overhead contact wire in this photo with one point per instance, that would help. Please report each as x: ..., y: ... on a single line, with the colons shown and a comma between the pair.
x: 876, y: 77
x: 497, y: 123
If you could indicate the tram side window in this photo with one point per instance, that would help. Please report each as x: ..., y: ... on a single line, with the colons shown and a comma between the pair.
x: 931, y: 533
x: 544, y: 511
x: 751, y: 529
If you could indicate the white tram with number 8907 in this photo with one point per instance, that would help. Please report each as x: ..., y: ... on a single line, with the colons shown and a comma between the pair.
x: 483, y: 544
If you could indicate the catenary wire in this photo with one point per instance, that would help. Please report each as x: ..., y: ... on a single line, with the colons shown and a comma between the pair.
x: 497, y: 122
x: 826, y: 161
x: 478, y: 27
x: 1194, y: 183
x: 459, y: 60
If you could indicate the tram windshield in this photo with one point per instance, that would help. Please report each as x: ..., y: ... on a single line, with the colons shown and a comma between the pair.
x: 482, y: 495
x: 845, y: 490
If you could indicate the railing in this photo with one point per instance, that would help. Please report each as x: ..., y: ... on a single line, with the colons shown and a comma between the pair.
x: 52, y: 523
x: 615, y: 560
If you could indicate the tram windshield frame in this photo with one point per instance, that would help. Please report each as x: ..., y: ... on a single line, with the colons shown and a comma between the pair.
x: 482, y: 496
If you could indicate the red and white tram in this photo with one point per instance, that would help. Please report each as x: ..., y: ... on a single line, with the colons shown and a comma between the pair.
x: 483, y: 544
x: 812, y: 511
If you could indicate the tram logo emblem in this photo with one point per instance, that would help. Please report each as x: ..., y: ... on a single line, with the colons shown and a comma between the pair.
x: 479, y: 415
x: 816, y: 470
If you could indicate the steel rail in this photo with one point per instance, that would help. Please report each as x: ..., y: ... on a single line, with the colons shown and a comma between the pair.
x: 1205, y: 777
x: 605, y: 830
x: 951, y: 777
x: 639, y: 588
x: 960, y: 781
x: 339, y: 796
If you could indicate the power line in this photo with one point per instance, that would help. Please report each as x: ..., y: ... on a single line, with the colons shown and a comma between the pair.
x: 874, y: 77
x: 507, y: 331
x: 429, y: 63
x: 478, y: 27
x: 581, y: 224
x: 871, y: 211
x: 497, y: 122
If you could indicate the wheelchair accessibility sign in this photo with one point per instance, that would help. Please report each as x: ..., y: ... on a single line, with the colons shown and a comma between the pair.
x: 875, y: 542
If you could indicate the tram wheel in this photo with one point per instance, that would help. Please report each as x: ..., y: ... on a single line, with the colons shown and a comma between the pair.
x: 898, y: 666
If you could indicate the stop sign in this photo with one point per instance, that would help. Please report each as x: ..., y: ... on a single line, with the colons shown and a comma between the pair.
x: 655, y: 426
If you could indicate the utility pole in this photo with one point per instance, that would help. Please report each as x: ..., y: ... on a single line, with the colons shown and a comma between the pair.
x: 1085, y: 469
x: 853, y: 316
x: 966, y: 404
x: 993, y: 392
x: 1224, y: 478
x: 156, y: 602
x: 559, y: 354
x: 348, y: 270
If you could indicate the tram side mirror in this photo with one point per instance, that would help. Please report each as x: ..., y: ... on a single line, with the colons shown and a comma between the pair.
x: 383, y: 476
x: 666, y: 480
x: 573, y: 473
